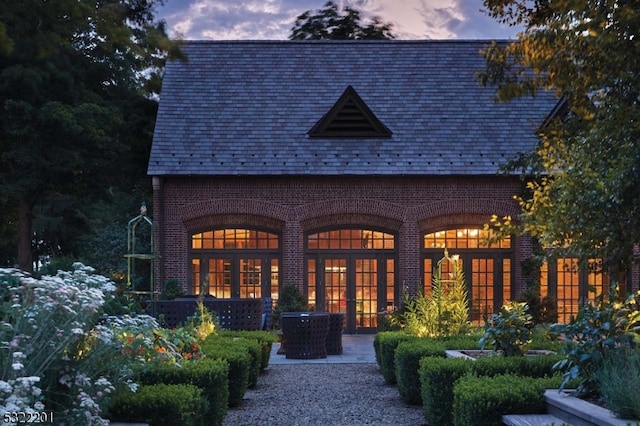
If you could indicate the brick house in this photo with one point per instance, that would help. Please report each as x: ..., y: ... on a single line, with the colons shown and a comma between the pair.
x: 342, y: 167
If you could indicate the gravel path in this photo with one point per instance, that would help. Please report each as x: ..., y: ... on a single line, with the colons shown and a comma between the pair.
x: 323, y: 394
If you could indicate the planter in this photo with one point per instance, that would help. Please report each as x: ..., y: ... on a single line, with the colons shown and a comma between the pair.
x: 474, y: 354
x: 578, y: 412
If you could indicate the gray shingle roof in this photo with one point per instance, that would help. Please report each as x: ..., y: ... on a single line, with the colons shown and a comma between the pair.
x: 245, y: 107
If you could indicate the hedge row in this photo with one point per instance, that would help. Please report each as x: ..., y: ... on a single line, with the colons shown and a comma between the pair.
x: 439, y: 376
x: 425, y: 376
x: 203, y: 389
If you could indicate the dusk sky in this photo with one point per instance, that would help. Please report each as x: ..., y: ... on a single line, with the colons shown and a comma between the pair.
x: 273, y: 19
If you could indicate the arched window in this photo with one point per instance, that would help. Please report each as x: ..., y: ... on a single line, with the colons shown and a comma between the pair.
x: 487, y: 266
x: 235, y: 262
x: 352, y: 271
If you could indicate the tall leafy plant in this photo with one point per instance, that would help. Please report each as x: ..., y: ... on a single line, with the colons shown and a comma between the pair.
x: 443, y: 312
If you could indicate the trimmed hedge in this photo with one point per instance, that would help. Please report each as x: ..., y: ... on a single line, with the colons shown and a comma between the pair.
x: 484, y: 400
x: 211, y: 375
x: 239, y: 360
x: 437, y: 377
x: 407, y: 360
x: 254, y: 349
x: 265, y: 338
x: 160, y: 405
x: 385, y: 344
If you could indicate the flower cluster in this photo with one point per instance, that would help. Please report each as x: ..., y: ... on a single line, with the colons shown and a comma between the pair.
x: 42, y: 321
x: 58, y: 352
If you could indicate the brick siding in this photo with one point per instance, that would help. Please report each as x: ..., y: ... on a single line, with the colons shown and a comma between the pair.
x: 293, y: 206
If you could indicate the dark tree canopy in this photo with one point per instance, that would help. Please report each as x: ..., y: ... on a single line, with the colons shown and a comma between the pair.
x: 333, y: 23
x: 584, y: 200
x: 75, y: 76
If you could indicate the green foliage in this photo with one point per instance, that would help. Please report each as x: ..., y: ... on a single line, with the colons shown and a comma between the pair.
x: 407, y: 359
x: 331, y: 23
x: 385, y: 344
x: 484, y: 400
x: 172, y: 289
x: 543, y: 310
x: 582, y: 178
x: 240, y: 364
x: 437, y: 378
x: 620, y: 373
x: 290, y: 299
x: 161, y: 405
x: 75, y: 76
x: 265, y: 338
x: 203, y: 323
x: 445, y: 311
x: 599, y: 329
x: 508, y: 331
x: 211, y: 375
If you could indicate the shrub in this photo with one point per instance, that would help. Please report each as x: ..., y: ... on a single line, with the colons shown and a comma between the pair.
x: 484, y: 400
x: 443, y: 312
x: 529, y: 366
x: 211, y: 375
x: 172, y: 289
x: 265, y: 338
x: 437, y: 377
x: 509, y: 330
x: 290, y: 299
x: 385, y: 344
x: 620, y: 373
x: 240, y: 365
x: 254, y: 349
x: 407, y: 359
x: 598, y: 329
x: 543, y: 310
x: 160, y: 405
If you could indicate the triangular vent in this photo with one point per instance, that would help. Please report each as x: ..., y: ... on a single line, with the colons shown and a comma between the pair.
x: 350, y: 117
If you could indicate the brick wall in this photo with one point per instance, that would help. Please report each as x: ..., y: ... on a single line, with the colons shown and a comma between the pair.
x: 408, y: 206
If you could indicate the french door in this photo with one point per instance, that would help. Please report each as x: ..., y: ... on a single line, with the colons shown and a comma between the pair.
x: 358, y: 285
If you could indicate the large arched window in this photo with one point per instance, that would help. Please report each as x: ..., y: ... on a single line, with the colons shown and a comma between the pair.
x: 352, y: 271
x: 235, y: 262
x: 487, y: 266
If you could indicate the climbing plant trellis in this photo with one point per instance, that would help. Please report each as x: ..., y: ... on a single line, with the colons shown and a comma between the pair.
x: 143, y: 296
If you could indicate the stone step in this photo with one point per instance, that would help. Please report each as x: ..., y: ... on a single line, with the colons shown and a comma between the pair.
x: 533, y: 420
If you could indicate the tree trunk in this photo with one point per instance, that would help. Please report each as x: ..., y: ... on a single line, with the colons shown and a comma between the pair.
x: 25, y: 225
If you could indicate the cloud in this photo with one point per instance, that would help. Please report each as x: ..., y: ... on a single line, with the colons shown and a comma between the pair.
x: 273, y: 19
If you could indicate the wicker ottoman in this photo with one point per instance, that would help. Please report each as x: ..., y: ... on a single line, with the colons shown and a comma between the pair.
x: 334, y: 336
x: 305, y: 334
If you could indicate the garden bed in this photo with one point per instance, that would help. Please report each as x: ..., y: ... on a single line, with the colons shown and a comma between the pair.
x: 579, y: 412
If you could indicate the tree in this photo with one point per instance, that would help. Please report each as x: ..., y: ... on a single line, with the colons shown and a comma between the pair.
x: 70, y: 70
x: 331, y: 23
x: 584, y: 175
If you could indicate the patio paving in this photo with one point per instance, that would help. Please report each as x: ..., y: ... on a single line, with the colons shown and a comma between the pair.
x: 356, y: 349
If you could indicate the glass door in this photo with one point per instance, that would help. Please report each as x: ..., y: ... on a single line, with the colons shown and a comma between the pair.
x: 350, y: 286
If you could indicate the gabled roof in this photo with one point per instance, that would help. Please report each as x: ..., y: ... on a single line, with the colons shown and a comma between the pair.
x: 349, y: 117
x: 247, y: 107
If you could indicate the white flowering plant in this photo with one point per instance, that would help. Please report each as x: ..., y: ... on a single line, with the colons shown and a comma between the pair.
x: 59, y: 353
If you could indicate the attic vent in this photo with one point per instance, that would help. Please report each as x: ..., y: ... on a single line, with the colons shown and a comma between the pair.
x: 349, y: 117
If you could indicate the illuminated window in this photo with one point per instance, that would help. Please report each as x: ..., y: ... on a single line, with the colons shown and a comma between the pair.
x: 234, y: 239
x: 464, y: 238
x: 351, y: 239
x: 235, y: 262
x: 570, y: 285
x: 487, y: 266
